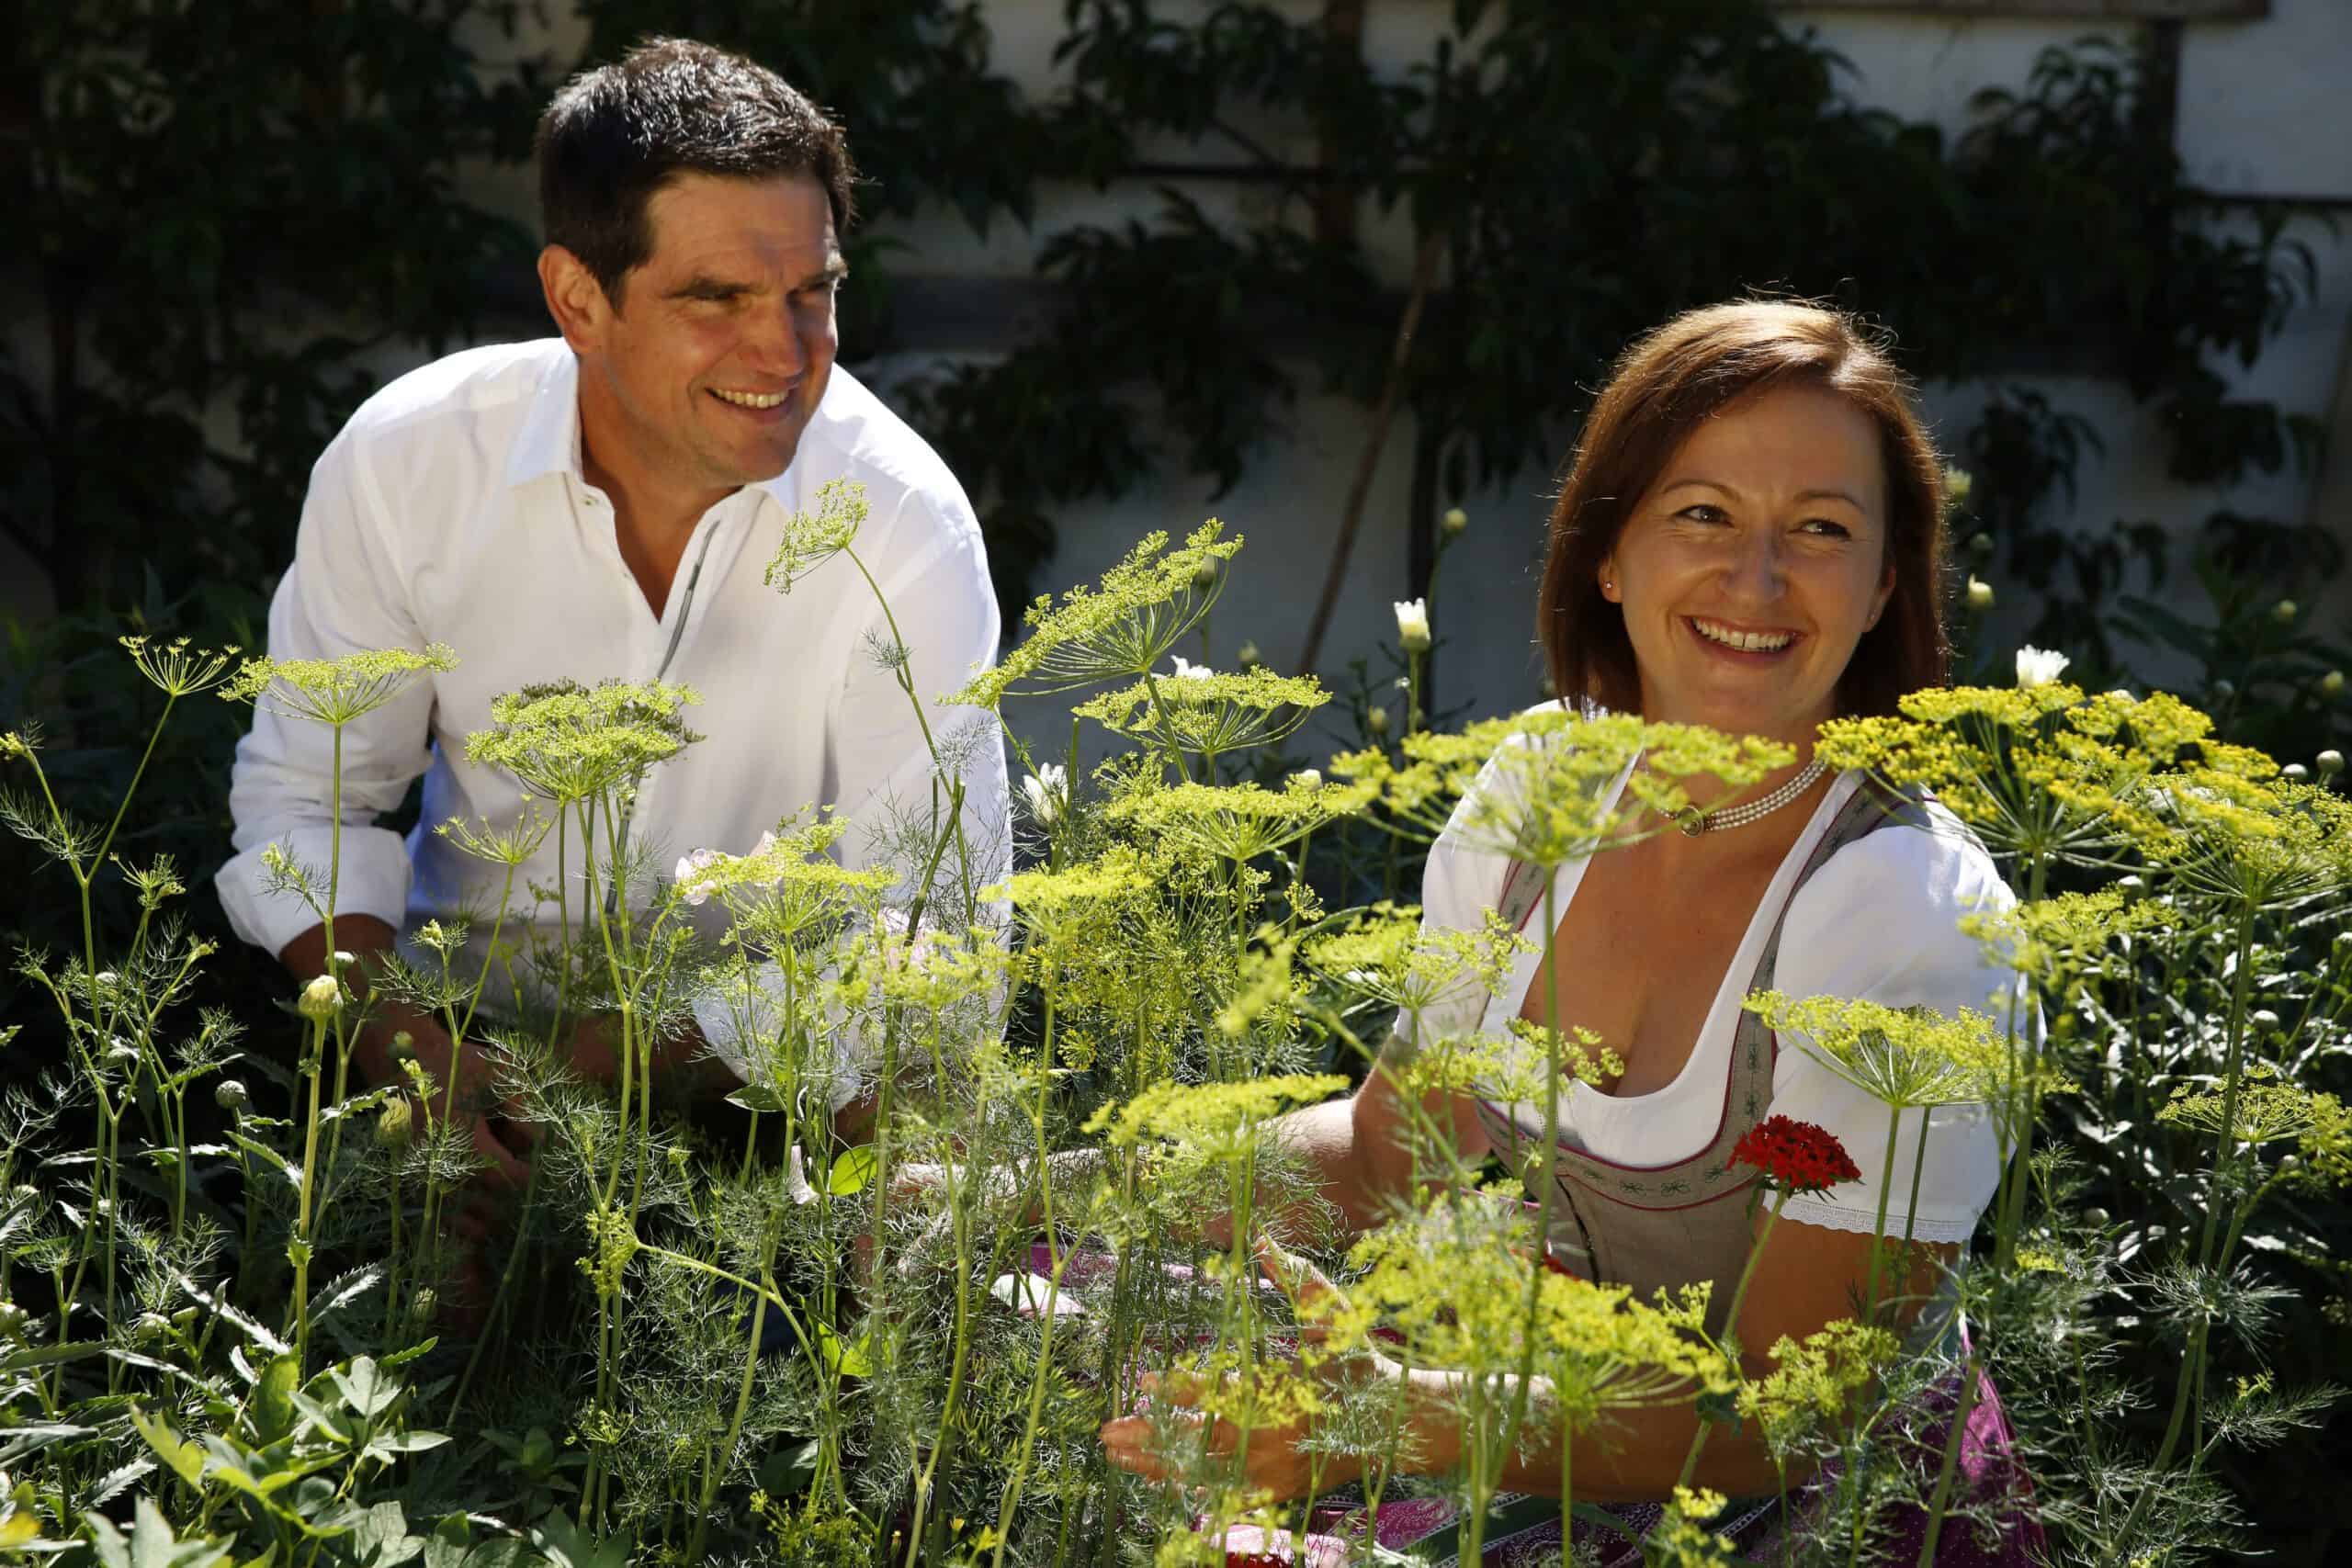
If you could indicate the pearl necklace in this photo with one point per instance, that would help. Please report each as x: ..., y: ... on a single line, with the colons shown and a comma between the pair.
x: 1694, y: 820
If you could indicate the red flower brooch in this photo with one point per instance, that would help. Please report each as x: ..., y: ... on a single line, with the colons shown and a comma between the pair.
x: 1795, y: 1156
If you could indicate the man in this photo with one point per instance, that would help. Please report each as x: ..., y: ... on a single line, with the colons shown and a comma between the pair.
x: 603, y: 504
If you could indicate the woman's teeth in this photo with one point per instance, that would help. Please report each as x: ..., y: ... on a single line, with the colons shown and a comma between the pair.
x: 749, y: 400
x: 1746, y: 642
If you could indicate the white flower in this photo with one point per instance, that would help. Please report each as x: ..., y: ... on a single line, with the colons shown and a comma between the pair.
x: 697, y: 891
x: 795, y: 1179
x: 2038, y: 667
x: 1413, y: 625
x: 1188, y: 671
x: 1047, y: 791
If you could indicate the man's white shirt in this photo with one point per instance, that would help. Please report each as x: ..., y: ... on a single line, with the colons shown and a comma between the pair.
x: 453, y: 509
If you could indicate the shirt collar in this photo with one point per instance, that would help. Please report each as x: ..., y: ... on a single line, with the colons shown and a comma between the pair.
x: 548, y: 442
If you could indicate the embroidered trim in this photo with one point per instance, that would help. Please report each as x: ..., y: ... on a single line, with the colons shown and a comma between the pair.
x: 1807, y: 1210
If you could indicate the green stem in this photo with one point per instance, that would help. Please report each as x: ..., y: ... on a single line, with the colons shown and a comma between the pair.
x: 1886, y: 1191
x: 1731, y: 1323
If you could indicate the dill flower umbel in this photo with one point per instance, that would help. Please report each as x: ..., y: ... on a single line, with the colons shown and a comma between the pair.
x: 1120, y: 629
x: 812, y: 540
x: 570, y: 743
x: 1795, y: 1156
x: 333, y: 691
x: 1207, y: 712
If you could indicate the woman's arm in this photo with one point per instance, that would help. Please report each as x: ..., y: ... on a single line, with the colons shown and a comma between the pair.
x: 1807, y: 1276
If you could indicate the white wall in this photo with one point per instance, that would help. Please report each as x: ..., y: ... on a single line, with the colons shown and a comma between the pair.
x: 2261, y: 110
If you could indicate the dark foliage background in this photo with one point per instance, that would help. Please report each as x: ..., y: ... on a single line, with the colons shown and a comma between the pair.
x: 231, y: 221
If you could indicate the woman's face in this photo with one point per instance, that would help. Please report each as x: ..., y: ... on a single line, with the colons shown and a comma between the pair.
x: 1755, y: 564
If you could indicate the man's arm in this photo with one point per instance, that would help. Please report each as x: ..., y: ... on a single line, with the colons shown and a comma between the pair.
x: 345, y: 592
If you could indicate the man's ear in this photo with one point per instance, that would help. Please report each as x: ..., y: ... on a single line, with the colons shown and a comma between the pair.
x: 575, y: 298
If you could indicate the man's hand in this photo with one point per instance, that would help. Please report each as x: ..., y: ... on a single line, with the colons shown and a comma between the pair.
x: 467, y: 1068
x: 367, y: 937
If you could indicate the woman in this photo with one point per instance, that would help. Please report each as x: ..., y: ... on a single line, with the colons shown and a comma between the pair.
x: 1749, y: 538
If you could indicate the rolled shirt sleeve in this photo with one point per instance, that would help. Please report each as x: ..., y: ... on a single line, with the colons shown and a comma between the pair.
x: 1879, y: 921
x: 343, y: 594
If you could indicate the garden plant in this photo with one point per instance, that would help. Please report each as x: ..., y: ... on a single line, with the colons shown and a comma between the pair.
x: 1001, y: 1162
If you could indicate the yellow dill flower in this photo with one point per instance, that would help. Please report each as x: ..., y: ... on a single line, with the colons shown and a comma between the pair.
x: 1389, y: 956
x: 1903, y: 1057
x: 2038, y: 770
x: 1265, y: 987
x: 1121, y: 872
x: 1209, y: 714
x: 1546, y: 776
x: 512, y: 845
x: 333, y: 691
x: 2260, y: 841
x: 1213, y: 1114
x: 176, y: 668
x: 809, y: 541
x: 2269, y: 1109
x: 568, y: 743
x: 1238, y: 822
x: 1813, y: 1380
x: 2058, y: 942
x: 1120, y: 630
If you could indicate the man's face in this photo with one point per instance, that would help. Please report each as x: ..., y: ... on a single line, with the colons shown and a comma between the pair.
x: 718, y: 352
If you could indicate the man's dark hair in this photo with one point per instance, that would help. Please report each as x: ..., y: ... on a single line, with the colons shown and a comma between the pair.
x: 612, y: 137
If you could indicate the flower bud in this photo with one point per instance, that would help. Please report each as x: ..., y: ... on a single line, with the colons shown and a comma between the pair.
x: 2224, y: 690
x: 1413, y: 625
x: 106, y: 980
x: 1980, y: 596
x: 2331, y: 683
x: 424, y: 1305
x: 2329, y: 763
x: 123, y: 1056
x: 2132, y: 887
x: 12, y: 1319
x: 1204, y: 574
x: 1247, y: 656
x: 1306, y: 778
x: 403, y: 1047
x: 393, y: 1124
x: 1376, y: 721
x: 2287, y: 1163
x: 1981, y: 546
x: 230, y: 1095
x: 1455, y: 521
x: 2263, y: 1018
x: 2283, y: 612
x: 322, y: 999
x: 1958, y: 483
x: 2295, y: 772
x: 2099, y: 1219
x: 150, y: 1328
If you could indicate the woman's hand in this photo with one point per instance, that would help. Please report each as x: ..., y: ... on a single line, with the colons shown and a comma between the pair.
x: 1276, y: 1462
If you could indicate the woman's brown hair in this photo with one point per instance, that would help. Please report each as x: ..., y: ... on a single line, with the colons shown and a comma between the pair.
x: 1683, y: 373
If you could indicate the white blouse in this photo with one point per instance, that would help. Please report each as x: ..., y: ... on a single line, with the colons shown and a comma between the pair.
x: 1877, y: 920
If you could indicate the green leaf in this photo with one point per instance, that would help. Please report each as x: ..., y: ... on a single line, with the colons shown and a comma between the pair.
x: 758, y: 1097
x: 186, y: 1459
x: 380, y: 1538
x: 851, y: 1171
x: 47, y: 1356
x: 366, y: 1389
x: 325, y: 1420
x: 850, y: 1361
x: 391, y: 1444
x: 273, y: 1406
x: 237, y: 1320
